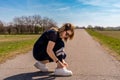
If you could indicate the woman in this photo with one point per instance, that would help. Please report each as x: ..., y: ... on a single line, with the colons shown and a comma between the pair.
x: 50, y: 47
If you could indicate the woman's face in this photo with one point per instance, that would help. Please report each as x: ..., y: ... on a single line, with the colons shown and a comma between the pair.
x: 66, y: 34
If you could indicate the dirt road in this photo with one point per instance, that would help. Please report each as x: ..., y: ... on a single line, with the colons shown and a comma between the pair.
x: 86, y: 58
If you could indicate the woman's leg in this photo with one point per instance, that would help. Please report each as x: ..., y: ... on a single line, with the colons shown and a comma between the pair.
x: 45, y: 61
x: 61, y: 58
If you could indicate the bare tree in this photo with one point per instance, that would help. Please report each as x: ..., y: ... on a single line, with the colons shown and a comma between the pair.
x: 1, y: 27
x: 1, y: 23
x: 48, y: 23
x: 18, y: 24
x: 28, y: 24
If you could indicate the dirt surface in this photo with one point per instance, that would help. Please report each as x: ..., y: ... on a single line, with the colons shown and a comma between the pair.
x: 86, y: 58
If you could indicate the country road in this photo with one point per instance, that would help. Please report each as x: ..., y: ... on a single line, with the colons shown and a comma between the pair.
x: 86, y: 58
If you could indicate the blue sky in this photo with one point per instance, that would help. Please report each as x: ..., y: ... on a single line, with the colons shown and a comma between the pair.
x: 77, y: 12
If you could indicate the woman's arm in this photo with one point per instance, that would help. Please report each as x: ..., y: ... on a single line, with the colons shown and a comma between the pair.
x: 50, y: 52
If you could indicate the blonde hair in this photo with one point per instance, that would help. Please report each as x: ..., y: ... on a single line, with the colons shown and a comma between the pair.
x: 54, y: 28
x: 65, y: 27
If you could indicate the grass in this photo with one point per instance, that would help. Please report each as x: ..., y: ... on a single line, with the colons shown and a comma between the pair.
x: 115, y: 34
x: 11, y: 45
x: 108, y: 39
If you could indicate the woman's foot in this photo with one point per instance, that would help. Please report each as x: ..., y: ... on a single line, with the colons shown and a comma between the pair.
x: 62, y: 72
x: 42, y: 67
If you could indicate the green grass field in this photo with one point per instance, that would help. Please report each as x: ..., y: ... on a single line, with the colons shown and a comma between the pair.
x: 110, y: 39
x: 11, y: 45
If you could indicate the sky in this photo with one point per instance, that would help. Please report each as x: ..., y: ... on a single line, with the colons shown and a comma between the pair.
x: 78, y: 12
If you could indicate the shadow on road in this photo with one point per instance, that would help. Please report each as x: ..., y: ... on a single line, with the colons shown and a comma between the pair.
x: 33, y: 76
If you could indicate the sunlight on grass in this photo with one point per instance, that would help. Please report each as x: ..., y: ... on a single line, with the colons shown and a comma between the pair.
x: 112, y: 42
x: 11, y: 45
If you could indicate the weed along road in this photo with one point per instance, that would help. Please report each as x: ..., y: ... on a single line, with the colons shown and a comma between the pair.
x: 86, y: 58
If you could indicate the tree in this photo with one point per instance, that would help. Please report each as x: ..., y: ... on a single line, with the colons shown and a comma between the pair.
x: 28, y: 25
x: 38, y: 29
x: 90, y: 27
x: 1, y: 27
x: 48, y: 23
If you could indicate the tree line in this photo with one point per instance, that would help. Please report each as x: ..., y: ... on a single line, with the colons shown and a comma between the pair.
x: 27, y: 25
x: 101, y: 28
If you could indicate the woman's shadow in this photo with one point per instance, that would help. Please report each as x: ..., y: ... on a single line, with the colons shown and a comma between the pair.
x: 33, y: 76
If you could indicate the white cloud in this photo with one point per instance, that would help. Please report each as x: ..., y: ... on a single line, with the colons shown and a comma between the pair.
x: 117, y: 5
x: 63, y: 8
x: 101, y: 3
x: 86, y: 17
x: 91, y: 2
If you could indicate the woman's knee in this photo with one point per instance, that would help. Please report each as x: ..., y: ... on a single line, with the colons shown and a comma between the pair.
x: 61, y: 57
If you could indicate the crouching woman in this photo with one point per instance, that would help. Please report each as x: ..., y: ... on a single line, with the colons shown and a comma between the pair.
x: 50, y: 48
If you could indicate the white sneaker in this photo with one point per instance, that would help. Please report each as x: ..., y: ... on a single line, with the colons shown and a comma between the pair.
x: 63, y: 72
x: 41, y: 66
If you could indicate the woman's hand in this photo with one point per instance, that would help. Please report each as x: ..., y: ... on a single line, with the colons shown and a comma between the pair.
x: 63, y: 61
x: 60, y: 65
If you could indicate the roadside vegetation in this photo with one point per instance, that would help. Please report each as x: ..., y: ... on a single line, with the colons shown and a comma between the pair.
x: 109, y: 39
x: 115, y: 34
x: 19, y: 36
x: 12, y: 45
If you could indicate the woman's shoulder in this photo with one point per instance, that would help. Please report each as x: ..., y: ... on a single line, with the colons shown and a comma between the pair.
x: 51, y: 32
x: 52, y: 35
